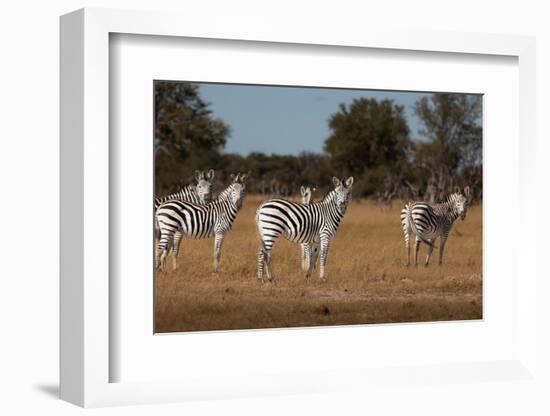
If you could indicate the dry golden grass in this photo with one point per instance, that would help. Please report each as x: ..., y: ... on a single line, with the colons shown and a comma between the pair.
x: 367, y: 280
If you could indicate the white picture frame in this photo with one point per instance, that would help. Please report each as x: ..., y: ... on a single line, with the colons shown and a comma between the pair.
x: 85, y: 165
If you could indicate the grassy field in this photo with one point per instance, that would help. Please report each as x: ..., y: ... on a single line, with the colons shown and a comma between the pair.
x: 367, y: 280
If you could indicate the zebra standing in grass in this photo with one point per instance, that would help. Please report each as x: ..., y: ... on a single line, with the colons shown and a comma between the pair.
x: 214, y: 219
x: 310, y: 251
x: 201, y: 193
x: 316, y: 222
x: 429, y: 221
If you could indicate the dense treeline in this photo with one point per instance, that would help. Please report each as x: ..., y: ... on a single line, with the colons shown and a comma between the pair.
x: 369, y: 139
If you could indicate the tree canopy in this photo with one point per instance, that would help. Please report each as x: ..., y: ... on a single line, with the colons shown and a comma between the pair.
x: 187, y: 135
x: 452, y: 151
x: 368, y: 138
x: 452, y: 127
x: 366, y: 134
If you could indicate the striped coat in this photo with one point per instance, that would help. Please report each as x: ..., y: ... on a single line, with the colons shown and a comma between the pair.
x: 300, y: 223
x: 309, y: 251
x: 430, y: 221
x: 186, y: 219
x: 200, y: 193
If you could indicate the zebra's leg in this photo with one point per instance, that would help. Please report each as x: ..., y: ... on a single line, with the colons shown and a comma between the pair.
x: 158, y: 252
x: 218, y: 242
x: 442, y: 249
x: 408, y: 246
x: 430, y: 250
x: 261, y: 265
x: 416, y: 248
x: 268, y: 270
x: 306, y: 259
x: 312, y: 258
x: 176, y: 242
x: 165, y: 237
x: 264, y: 265
x: 305, y: 256
x: 325, y: 242
x: 314, y: 254
x: 406, y: 234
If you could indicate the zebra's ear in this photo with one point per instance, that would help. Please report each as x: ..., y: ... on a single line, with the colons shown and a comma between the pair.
x: 232, y: 177
x: 349, y: 182
x: 457, y: 189
x: 302, y: 190
x: 198, y: 175
x: 210, y: 175
x: 467, y: 192
x: 243, y: 178
x: 336, y: 182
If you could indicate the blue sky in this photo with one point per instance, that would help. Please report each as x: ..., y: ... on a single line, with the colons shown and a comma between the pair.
x: 287, y: 120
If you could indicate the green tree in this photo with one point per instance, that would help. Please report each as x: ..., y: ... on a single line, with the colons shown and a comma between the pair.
x: 452, y: 152
x: 187, y: 136
x: 452, y: 126
x: 369, y: 139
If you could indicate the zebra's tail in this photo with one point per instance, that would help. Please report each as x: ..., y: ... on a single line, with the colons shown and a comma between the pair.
x: 413, y: 226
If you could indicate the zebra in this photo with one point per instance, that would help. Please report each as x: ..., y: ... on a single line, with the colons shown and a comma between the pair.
x: 310, y: 251
x: 313, y: 223
x: 429, y: 221
x: 201, y: 193
x: 214, y: 219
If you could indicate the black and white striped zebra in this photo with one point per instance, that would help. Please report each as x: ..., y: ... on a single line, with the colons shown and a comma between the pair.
x: 199, y: 193
x: 309, y: 251
x: 316, y: 222
x: 214, y: 219
x: 429, y: 221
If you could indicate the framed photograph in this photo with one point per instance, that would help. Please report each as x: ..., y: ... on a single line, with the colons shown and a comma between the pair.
x: 277, y: 209
x: 280, y: 213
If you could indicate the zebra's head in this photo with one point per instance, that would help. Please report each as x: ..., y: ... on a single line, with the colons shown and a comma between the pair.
x: 204, y: 185
x: 342, y: 192
x: 307, y: 193
x: 460, y: 200
x: 237, y: 189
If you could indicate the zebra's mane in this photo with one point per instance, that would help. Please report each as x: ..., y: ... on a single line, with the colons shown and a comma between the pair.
x: 329, y: 195
x: 185, y: 188
x: 450, y: 203
x: 454, y: 197
x: 223, y: 195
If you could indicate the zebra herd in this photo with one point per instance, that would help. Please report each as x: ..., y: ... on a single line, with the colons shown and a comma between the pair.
x: 192, y: 212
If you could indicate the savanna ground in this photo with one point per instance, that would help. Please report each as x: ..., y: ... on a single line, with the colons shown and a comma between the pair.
x: 367, y: 281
